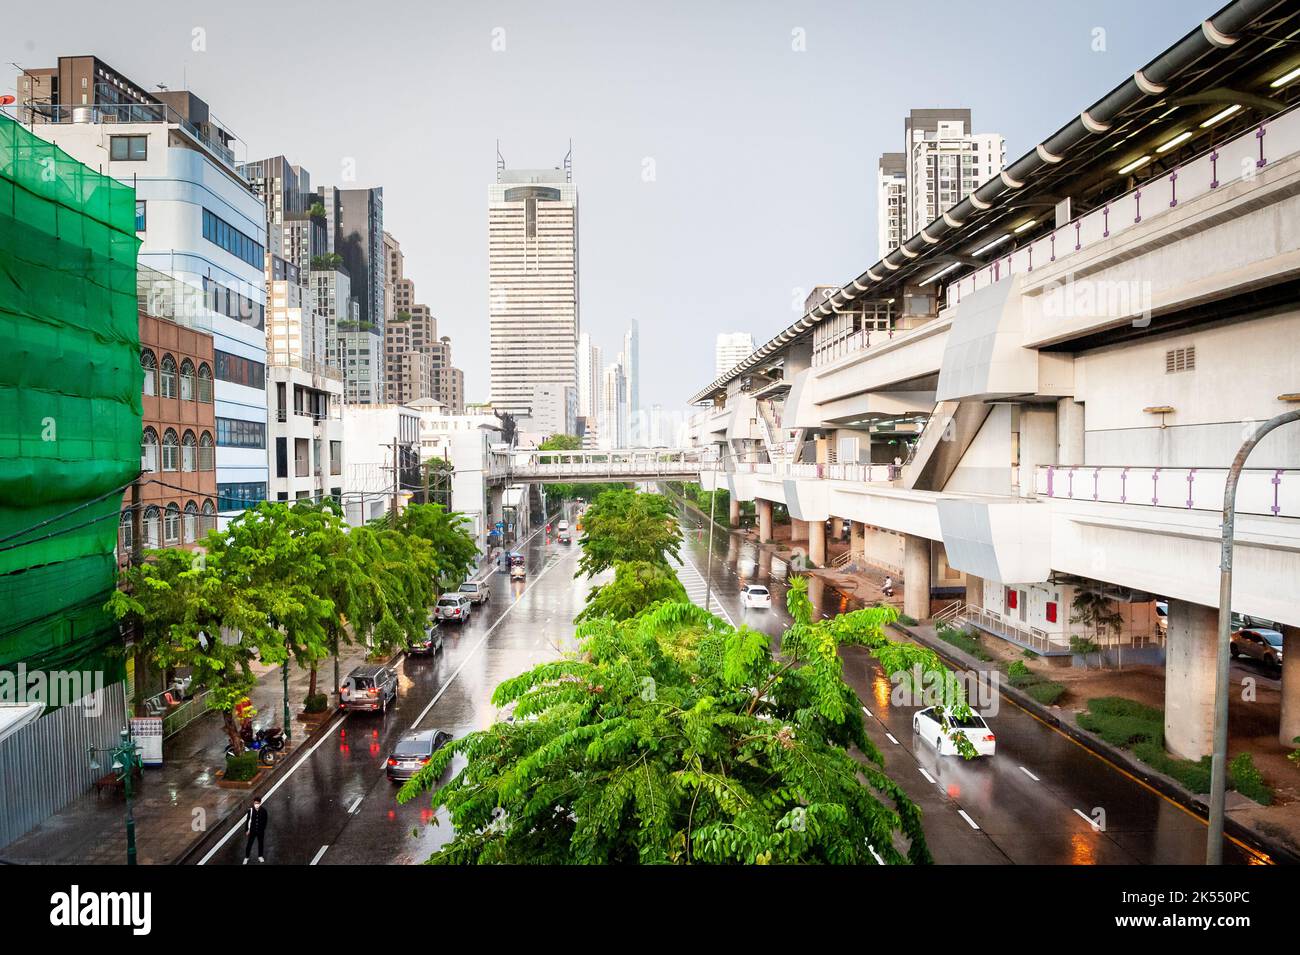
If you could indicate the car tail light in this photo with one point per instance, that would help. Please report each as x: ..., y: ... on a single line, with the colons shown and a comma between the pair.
x: 989, y: 738
x: 425, y: 761
x: 391, y: 761
x: 372, y: 692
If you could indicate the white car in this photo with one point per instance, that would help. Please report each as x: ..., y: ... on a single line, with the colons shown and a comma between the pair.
x: 755, y: 596
x: 927, y: 725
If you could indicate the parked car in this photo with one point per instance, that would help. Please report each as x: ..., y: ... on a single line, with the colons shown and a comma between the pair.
x: 928, y: 725
x: 429, y: 644
x: 455, y: 606
x: 369, y: 687
x: 478, y: 591
x: 413, y: 752
x: 756, y: 597
x: 1261, y: 644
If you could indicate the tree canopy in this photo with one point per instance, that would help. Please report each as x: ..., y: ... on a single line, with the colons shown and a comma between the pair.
x: 624, y: 525
x: 637, y: 585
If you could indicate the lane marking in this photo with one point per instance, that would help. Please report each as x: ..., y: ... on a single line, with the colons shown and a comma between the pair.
x: 928, y: 777
x: 1029, y: 774
x: 316, y: 857
x: 867, y: 711
x: 355, y: 805
x: 890, y: 737
x: 973, y: 823
x: 1096, y: 827
x: 872, y: 850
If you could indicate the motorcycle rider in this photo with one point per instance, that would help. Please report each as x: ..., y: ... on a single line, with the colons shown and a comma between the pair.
x: 255, y: 826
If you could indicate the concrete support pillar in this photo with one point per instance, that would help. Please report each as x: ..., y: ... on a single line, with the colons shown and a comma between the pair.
x: 974, y: 591
x: 855, y: 537
x: 916, y: 576
x: 1189, y: 679
x: 764, y: 509
x: 733, y: 511
x: 817, y: 543
x: 1290, y: 726
x: 1069, y: 432
x: 496, y: 497
x: 798, y: 529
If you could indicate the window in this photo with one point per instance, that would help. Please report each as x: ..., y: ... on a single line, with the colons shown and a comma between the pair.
x: 241, y: 371
x: 281, y: 457
x: 238, y: 497
x: 336, y: 457
x: 190, y: 526
x: 149, y: 451
x: 209, y: 521
x: 171, y: 451
x: 125, y: 534
x: 140, y: 217
x: 187, y: 380
x: 203, y: 384
x: 152, y: 527
x: 149, y: 369
x: 172, y: 525
x: 219, y: 232
x: 189, y: 452
x: 128, y: 148
x: 207, y: 453
x: 168, y: 377
x: 236, y: 433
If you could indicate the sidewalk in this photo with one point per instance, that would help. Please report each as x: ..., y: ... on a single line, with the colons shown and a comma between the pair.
x: 177, y: 803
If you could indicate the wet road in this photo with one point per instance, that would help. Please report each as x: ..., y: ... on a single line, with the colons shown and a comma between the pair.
x: 1042, y: 799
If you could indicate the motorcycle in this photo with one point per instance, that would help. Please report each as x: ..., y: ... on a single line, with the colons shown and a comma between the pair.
x: 265, y: 742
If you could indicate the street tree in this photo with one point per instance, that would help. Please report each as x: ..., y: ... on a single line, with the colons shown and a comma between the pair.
x: 452, y: 547
x: 627, y: 525
x: 637, y: 585
x: 673, y: 737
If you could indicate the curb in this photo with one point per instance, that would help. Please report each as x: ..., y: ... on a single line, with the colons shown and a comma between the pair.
x: 1278, y: 851
x: 195, y: 849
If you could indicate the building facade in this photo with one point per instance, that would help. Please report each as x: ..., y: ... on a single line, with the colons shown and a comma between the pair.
x: 730, y: 349
x: 944, y: 162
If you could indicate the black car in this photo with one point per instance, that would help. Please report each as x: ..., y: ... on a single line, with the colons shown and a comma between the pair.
x: 413, y: 751
x: 427, y: 645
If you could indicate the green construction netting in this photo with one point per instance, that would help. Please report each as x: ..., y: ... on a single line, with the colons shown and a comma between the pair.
x: 70, y: 397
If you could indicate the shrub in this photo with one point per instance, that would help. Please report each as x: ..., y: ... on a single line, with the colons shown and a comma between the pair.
x: 241, y: 768
x: 964, y: 641
x: 1294, y: 755
x: 1121, y: 706
x: 1029, y: 654
x: 317, y: 703
x: 1046, y: 692
x: 1194, y: 776
x: 1017, y: 669
x: 1246, y: 779
x: 905, y: 619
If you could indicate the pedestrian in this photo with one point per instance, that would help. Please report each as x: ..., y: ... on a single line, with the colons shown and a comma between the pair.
x: 888, y: 588
x: 255, y: 826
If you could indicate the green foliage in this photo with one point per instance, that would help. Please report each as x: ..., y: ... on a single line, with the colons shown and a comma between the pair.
x: 637, y: 585
x: 316, y: 703
x: 1192, y: 775
x: 964, y: 640
x: 328, y: 262
x: 672, y: 737
x: 241, y: 768
x: 453, y: 551
x: 1244, y: 777
x: 1046, y: 692
x: 907, y: 620
x: 1017, y: 668
x: 624, y: 526
x: 1294, y: 755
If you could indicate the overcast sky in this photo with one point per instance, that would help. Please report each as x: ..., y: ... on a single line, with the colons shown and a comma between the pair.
x: 721, y: 170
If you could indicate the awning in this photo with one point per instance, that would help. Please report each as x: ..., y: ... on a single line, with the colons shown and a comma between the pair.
x: 14, y: 716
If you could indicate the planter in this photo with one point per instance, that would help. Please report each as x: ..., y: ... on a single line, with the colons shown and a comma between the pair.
x: 314, y: 720
x: 244, y: 783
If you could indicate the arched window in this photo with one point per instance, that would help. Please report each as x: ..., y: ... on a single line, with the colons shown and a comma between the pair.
x: 189, y: 452
x: 152, y: 527
x: 207, y: 453
x: 171, y: 450
x: 168, y: 377
x: 190, y: 526
x: 125, y: 536
x: 149, y: 450
x: 187, y: 380
x: 172, y: 525
x: 204, y: 383
x: 149, y: 369
x: 209, y: 519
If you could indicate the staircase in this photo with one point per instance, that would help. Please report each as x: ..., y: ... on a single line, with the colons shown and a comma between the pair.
x: 948, y: 432
x: 954, y: 613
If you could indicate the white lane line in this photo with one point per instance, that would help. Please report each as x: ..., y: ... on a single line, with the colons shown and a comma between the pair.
x: 717, y: 603
x: 867, y: 711
x: 928, y: 777
x: 890, y: 737
x: 316, y: 857
x: 1029, y: 774
x: 1096, y: 827
x: 355, y: 805
x: 962, y: 813
x: 872, y: 850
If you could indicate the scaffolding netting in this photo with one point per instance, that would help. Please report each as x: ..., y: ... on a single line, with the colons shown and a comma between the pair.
x: 70, y: 398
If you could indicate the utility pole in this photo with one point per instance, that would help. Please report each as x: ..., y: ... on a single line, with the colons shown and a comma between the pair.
x: 397, y: 481
x: 708, y: 570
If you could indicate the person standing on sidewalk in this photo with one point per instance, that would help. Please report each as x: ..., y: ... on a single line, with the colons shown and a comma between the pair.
x: 255, y: 825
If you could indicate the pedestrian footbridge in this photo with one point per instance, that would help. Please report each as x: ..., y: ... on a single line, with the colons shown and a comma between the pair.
x: 605, y: 466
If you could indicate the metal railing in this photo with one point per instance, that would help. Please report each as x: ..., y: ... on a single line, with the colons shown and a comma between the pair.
x: 1270, y: 492
x: 125, y: 113
x: 1038, y: 640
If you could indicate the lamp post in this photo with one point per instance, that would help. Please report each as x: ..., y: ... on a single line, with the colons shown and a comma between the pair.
x: 125, y: 760
x: 284, y: 676
x: 1219, y: 765
x: 713, y: 502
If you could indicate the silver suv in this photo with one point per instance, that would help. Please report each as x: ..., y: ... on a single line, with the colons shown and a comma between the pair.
x: 478, y: 591
x: 455, y: 607
x: 369, y: 687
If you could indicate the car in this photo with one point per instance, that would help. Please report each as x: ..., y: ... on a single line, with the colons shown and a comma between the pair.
x: 478, y: 591
x: 369, y: 687
x: 928, y: 724
x: 1262, y: 644
x: 453, y: 606
x: 566, y: 537
x: 427, y: 645
x: 413, y: 752
x: 562, y: 526
x: 517, y: 572
x: 756, y: 597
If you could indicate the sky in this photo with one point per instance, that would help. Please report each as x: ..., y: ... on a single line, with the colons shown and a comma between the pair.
x: 724, y: 150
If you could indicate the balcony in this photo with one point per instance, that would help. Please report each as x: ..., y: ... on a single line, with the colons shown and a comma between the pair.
x: 129, y: 113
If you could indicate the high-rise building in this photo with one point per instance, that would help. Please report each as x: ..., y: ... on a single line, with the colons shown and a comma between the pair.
x: 612, y: 426
x: 632, y: 369
x: 532, y: 283
x: 199, y: 220
x: 354, y: 225
x: 944, y: 162
x: 891, y: 203
x: 731, y: 349
x: 589, y: 378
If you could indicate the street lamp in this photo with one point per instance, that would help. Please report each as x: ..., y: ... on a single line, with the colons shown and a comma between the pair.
x: 713, y: 502
x: 1219, y: 765
x: 125, y: 760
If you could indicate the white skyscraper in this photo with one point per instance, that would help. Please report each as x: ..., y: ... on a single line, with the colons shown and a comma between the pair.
x: 631, y: 361
x: 532, y: 283
x: 891, y: 203
x: 613, y: 416
x: 944, y: 162
x: 732, y: 348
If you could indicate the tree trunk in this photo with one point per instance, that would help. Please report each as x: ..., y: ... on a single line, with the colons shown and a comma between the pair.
x: 232, y: 731
x: 311, y: 686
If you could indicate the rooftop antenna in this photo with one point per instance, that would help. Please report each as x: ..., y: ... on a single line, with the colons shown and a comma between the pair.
x: 501, y: 163
x: 568, y: 163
